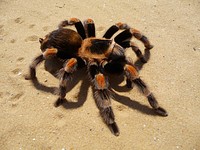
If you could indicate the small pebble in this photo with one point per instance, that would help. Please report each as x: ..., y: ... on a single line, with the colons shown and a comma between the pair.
x: 156, y: 139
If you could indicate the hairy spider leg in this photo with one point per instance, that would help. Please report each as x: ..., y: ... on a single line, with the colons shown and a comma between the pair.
x: 69, y: 67
x: 77, y: 23
x: 102, y: 96
x: 32, y: 67
x: 132, y: 75
x: 129, y: 33
x: 114, y: 28
x: 49, y: 52
x: 135, y: 48
x: 123, y: 39
x: 89, y: 27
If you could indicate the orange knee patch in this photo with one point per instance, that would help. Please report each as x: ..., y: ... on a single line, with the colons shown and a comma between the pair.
x: 132, y: 70
x: 136, y: 33
x: 50, y: 52
x: 70, y: 65
x: 100, y: 81
x: 89, y: 21
x: 121, y: 25
x: 74, y: 20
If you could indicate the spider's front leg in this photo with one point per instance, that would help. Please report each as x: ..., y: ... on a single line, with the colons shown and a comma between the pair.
x: 77, y: 23
x: 89, y: 27
x: 132, y: 75
x: 124, y: 38
x: 102, y: 96
x: 65, y: 73
x: 135, y: 48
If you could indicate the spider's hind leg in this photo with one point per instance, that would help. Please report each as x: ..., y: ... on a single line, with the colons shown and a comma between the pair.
x: 49, y: 52
x: 135, y: 48
x: 132, y: 75
x: 32, y: 67
x: 102, y: 97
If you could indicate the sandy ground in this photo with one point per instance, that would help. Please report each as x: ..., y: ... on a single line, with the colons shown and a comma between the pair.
x: 28, y: 119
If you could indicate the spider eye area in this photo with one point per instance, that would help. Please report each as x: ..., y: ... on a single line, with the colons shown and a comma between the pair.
x: 96, y: 48
x: 100, y: 46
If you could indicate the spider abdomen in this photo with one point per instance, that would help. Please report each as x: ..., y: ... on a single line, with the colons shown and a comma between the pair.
x: 67, y: 42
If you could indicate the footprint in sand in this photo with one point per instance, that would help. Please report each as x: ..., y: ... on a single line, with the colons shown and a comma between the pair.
x: 45, y: 28
x: 15, y: 98
x: 17, y: 71
x: 31, y: 26
x: 32, y: 38
x: 19, y: 20
x: 1, y: 94
x: 20, y: 59
x: 2, y: 31
x: 12, y: 41
x: 100, y: 29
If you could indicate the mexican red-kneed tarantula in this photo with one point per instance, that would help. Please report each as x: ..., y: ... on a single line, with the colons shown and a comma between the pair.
x: 102, y: 56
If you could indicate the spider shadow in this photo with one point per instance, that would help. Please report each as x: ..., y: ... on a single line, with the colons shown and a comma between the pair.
x: 53, y: 66
x: 82, y: 94
x: 42, y: 87
x: 125, y: 100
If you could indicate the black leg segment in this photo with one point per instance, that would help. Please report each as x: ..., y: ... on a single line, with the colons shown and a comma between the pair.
x: 78, y: 25
x: 32, y: 67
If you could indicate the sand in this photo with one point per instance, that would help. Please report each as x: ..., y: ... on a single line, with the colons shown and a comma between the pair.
x: 28, y: 119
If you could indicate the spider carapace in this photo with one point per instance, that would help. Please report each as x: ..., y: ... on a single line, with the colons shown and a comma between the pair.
x: 101, y: 57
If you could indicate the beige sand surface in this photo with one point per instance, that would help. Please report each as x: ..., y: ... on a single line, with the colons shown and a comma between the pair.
x: 28, y: 119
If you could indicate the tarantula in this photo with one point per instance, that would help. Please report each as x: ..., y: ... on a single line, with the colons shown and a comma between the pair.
x: 101, y: 56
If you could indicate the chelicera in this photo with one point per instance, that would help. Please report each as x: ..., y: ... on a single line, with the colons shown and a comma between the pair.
x: 101, y: 57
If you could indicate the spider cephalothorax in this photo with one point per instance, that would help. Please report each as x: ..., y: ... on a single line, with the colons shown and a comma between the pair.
x: 101, y: 56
